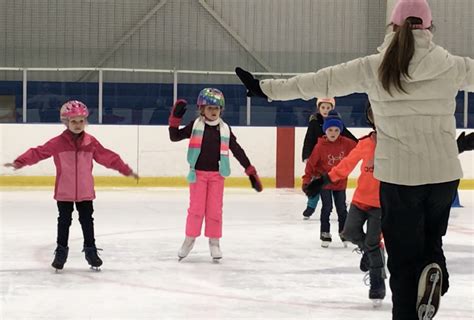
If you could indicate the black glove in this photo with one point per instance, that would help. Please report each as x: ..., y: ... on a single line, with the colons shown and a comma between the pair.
x: 252, y: 84
x: 314, y: 187
x: 179, y: 108
x: 254, y: 178
x: 465, y: 143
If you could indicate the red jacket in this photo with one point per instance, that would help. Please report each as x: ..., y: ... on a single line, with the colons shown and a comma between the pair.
x: 367, y: 191
x: 325, y: 156
x: 73, y: 161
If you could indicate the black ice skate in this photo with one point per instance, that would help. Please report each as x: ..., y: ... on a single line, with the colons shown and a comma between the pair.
x: 377, y: 287
x: 92, y: 257
x: 345, y: 243
x: 429, y: 291
x: 60, y: 257
x: 308, y: 212
x: 325, y: 239
x: 364, y: 262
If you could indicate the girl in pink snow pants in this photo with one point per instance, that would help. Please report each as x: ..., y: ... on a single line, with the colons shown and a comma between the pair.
x: 210, y: 140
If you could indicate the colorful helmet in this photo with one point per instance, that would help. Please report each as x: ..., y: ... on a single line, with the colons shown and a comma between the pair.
x: 211, y: 97
x: 332, y: 101
x: 411, y: 8
x: 73, y: 108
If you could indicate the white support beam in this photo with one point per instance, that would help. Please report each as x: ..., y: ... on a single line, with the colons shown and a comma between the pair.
x: 175, y: 86
x: 25, y: 94
x: 101, y: 96
x: 125, y: 37
x: 234, y: 35
x: 249, y: 110
x: 466, y: 104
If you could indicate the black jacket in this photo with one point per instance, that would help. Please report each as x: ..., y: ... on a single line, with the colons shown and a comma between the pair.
x: 210, y: 154
x: 315, y: 130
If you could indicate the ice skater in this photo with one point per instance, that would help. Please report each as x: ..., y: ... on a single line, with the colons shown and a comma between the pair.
x: 364, y: 209
x: 315, y: 131
x: 412, y: 84
x: 329, y: 151
x: 208, y: 158
x: 73, y: 152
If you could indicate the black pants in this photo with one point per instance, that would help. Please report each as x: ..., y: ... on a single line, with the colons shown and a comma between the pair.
x: 368, y: 242
x: 414, y: 220
x: 341, y: 208
x: 85, y: 210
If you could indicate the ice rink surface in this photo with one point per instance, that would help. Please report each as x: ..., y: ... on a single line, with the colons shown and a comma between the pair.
x: 273, y: 265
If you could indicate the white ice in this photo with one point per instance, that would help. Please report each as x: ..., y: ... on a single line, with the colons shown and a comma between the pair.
x: 273, y: 265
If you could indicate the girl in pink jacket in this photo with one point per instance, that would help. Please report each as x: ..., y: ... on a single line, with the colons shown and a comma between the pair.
x: 73, y: 152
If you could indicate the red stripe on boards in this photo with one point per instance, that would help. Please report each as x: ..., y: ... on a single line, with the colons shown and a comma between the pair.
x: 285, y: 157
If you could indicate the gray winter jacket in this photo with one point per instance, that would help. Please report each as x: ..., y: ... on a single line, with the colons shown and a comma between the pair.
x: 416, y: 132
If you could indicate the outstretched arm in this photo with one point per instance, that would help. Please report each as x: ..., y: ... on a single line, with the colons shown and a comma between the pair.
x: 347, y: 165
x: 340, y: 80
x: 111, y: 160
x: 33, y: 155
x: 465, y: 143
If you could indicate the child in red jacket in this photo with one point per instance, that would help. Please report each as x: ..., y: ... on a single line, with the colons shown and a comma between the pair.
x: 315, y: 131
x: 73, y: 152
x: 365, y: 207
x: 329, y: 151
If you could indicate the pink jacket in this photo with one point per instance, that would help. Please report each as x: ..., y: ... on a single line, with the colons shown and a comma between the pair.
x: 73, y: 160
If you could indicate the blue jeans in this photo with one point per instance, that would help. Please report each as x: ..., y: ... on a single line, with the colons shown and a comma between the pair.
x: 341, y: 209
x: 313, y: 201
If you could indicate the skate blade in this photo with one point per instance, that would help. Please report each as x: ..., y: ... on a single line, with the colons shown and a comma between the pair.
x: 429, y: 301
x: 96, y: 269
x: 345, y: 244
x: 376, y: 303
x: 426, y: 312
x: 216, y: 259
x: 325, y: 244
x: 305, y: 218
x: 180, y: 258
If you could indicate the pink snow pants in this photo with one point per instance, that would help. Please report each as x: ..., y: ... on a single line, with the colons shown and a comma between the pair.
x: 206, y: 196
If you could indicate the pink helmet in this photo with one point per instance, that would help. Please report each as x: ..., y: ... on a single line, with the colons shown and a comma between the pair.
x: 332, y: 101
x: 73, y: 108
x: 412, y: 8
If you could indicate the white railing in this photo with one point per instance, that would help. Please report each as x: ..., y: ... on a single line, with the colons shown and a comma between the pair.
x: 175, y: 74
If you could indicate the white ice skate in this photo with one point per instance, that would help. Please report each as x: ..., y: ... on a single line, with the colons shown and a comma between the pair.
x: 186, y: 248
x: 429, y: 291
x: 325, y: 239
x: 215, y: 249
